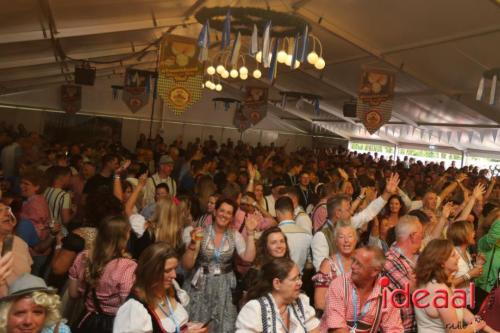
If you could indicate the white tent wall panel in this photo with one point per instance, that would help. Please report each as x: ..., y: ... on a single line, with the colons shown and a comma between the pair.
x: 201, y: 120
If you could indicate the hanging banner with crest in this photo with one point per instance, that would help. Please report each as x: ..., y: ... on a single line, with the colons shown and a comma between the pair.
x: 136, y: 89
x: 240, y: 120
x: 71, y: 98
x: 180, y: 74
x: 374, y: 104
x: 255, y: 104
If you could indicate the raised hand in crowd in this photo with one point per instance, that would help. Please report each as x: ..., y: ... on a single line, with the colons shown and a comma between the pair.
x: 391, y: 186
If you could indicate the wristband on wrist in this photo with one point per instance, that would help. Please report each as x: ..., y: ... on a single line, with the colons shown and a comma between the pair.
x: 117, y: 177
x: 361, y: 197
x: 467, y: 277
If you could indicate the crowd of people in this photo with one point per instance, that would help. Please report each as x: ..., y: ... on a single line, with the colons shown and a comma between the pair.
x: 227, y: 237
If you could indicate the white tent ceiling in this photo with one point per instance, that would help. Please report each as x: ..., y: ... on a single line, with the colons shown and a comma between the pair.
x: 438, y: 48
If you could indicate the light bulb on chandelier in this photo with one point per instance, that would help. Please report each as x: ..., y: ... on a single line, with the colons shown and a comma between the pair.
x: 288, y: 61
x: 225, y: 74
x: 243, y: 76
x: 218, y: 87
x: 282, y: 55
x: 243, y: 70
x: 320, y: 64
x: 233, y: 73
x: 207, y: 84
x: 258, y: 56
x: 210, y: 70
x: 312, y: 57
x: 220, y: 69
x: 257, y: 73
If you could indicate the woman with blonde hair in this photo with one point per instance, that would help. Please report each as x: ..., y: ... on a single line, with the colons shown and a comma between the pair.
x: 435, y: 268
x: 167, y: 223
x: 462, y: 234
x: 337, y: 264
x: 103, y: 276
x: 31, y: 306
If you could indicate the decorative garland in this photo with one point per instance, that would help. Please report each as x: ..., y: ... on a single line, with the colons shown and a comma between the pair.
x: 243, y: 19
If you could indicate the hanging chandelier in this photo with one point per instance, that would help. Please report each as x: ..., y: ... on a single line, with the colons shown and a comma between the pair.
x: 262, y: 39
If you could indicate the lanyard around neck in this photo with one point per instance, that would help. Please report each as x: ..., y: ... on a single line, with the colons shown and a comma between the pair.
x: 339, y: 263
x: 278, y: 316
x: 217, y: 250
x: 355, y: 302
x: 170, y: 314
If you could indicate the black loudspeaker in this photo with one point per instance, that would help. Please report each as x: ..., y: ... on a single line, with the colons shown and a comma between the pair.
x: 349, y: 109
x: 85, y: 76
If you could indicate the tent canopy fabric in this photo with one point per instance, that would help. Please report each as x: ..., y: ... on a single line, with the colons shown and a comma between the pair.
x: 438, y: 49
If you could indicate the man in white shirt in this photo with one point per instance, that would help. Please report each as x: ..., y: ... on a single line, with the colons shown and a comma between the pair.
x: 165, y: 167
x: 339, y: 208
x: 59, y: 201
x: 298, y: 239
x: 299, y: 215
x: 270, y: 200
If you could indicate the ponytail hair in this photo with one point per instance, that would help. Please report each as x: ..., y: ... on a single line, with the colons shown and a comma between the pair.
x: 278, y: 268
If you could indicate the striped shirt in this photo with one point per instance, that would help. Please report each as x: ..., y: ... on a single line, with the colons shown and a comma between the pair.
x: 58, y: 199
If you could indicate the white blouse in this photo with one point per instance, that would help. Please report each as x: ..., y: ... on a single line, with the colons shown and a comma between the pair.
x: 249, y: 319
x: 463, y: 268
x: 427, y: 323
x: 132, y: 316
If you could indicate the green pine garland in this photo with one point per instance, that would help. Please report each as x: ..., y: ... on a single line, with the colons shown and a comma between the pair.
x: 243, y: 19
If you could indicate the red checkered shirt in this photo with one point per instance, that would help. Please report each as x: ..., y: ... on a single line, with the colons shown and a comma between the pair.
x: 339, y: 312
x: 113, y: 287
x: 398, y: 269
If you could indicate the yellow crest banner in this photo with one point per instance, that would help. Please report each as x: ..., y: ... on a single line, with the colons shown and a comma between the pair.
x: 374, y: 104
x: 180, y: 74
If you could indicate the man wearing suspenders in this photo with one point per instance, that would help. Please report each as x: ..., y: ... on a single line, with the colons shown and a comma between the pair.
x: 354, y: 302
x: 165, y: 167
